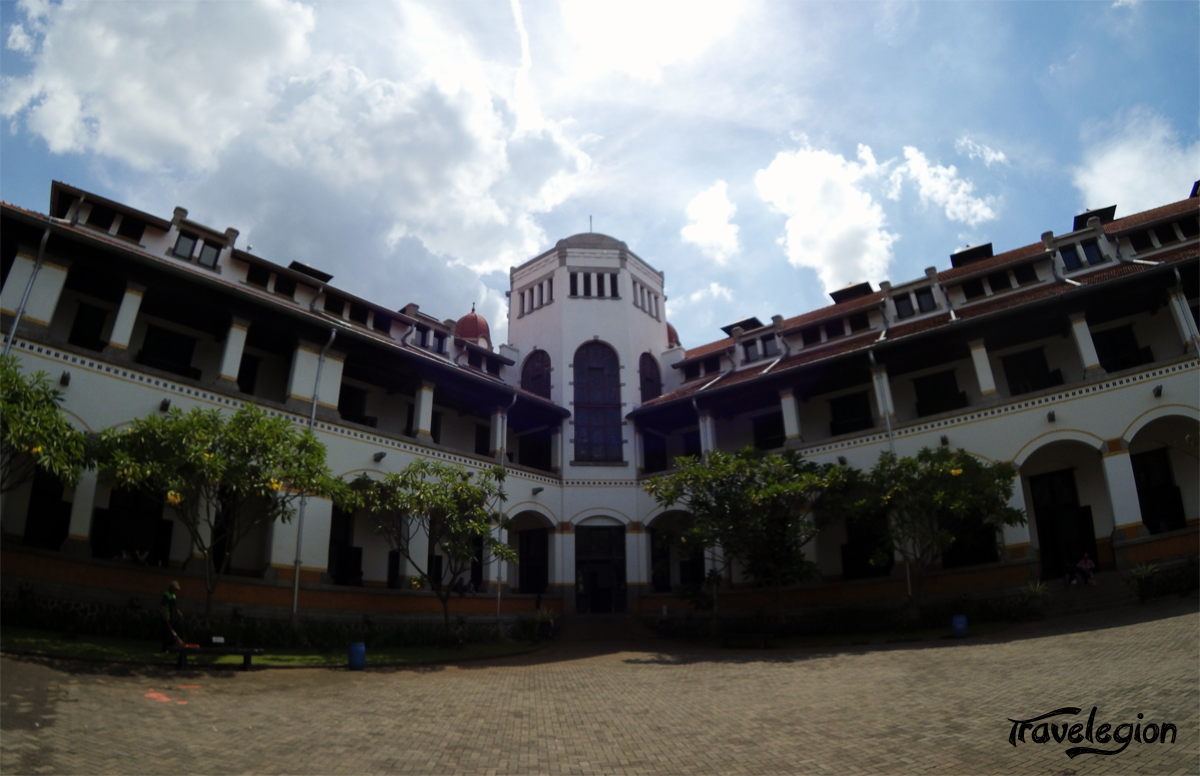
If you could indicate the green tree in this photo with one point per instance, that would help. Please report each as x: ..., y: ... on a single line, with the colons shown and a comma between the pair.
x: 933, y: 498
x: 454, y: 509
x: 760, y: 509
x: 33, y: 430
x: 224, y: 475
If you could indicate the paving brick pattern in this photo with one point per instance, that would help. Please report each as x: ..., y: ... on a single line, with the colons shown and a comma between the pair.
x: 648, y: 707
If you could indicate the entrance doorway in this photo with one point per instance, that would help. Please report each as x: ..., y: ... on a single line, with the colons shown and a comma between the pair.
x: 599, y: 569
x: 1158, y: 496
x: 1065, y: 529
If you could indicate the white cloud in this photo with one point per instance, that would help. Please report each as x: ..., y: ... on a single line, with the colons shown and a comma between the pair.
x: 942, y: 187
x: 895, y: 20
x: 714, y: 291
x: 709, y: 228
x: 162, y: 86
x: 834, y: 226
x: 641, y: 38
x: 973, y: 150
x: 1142, y: 164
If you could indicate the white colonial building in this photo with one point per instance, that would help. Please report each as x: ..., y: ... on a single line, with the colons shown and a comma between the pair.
x: 1073, y: 358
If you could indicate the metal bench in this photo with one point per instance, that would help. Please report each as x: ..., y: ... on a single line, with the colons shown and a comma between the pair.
x: 245, y: 652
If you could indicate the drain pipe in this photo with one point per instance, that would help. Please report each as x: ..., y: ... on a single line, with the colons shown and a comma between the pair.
x: 312, y: 419
x: 37, y: 265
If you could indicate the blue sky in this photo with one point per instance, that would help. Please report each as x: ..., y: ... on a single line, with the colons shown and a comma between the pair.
x: 760, y: 154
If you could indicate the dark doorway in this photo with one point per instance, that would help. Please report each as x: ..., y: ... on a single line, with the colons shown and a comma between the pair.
x: 49, y: 517
x: 867, y: 552
x: 600, y: 569
x: 1158, y: 495
x: 1064, y: 528
x: 132, y: 529
x: 533, y: 561
x: 660, y: 560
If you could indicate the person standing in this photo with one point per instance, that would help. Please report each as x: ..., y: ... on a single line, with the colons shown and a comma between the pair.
x: 169, y: 610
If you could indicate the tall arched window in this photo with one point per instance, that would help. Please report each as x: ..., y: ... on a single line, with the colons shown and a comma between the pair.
x: 535, y: 375
x: 651, y: 381
x: 597, y: 404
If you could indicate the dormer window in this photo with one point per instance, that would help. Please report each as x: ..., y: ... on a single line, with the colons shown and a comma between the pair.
x: 285, y: 286
x: 1141, y: 242
x: 691, y: 371
x: 382, y: 323
x: 101, y: 218
x: 750, y: 350
x: 769, y: 346
x: 335, y: 305
x: 208, y: 254
x: 1189, y: 226
x: 999, y: 282
x: 1091, y: 251
x: 973, y: 289
x: 712, y: 365
x: 925, y: 300
x: 132, y: 229
x: 904, y: 306
x: 1165, y: 234
x: 359, y: 313
x: 185, y: 245
x: 811, y: 335
x: 258, y: 276
x: 474, y: 360
x: 1025, y: 274
x: 835, y: 329
x: 859, y: 322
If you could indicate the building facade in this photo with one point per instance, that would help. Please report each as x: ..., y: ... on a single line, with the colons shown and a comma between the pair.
x: 1073, y: 358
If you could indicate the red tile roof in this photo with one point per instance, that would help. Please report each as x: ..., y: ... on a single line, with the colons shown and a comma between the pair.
x: 712, y: 347
x: 1150, y: 216
x: 835, y: 310
x: 1000, y: 261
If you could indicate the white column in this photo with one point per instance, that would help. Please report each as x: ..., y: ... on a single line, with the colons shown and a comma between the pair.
x: 80, y: 531
x: 235, y: 343
x: 496, y: 443
x: 1083, y: 342
x: 122, y: 330
x: 791, y: 418
x: 1016, y: 537
x: 43, y: 297
x: 639, y: 452
x: 566, y: 567
x: 635, y: 547
x: 883, y: 392
x: 1184, y: 323
x: 708, y: 433
x: 556, y: 451
x: 423, y: 412
x: 302, y: 380
x: 1122, y: 489
x: 983, y: 369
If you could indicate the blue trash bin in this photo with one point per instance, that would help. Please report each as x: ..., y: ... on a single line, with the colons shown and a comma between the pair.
x: 358, y: 656
x: 959, y: 626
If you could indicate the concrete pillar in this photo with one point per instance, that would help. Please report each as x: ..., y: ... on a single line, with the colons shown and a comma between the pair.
x: 231, y: 356
x: 791, y: 418
x: 708, y: 433
x: 499, y: 424
x: 639, y: 452
x: 1083, y: 342
x: 80, y: 531
x: 565, y: 553
x: 637, y: 581
x: 556, y: 451
x: 883, y: 392
x: 302, y: 381
x: 122, y: 332
x: 423, y: 412
x: 983, y: 369
x: 1122, y: 490
x: 1016, y: 537
x: 1184, y: 323
x: 43, y: 297
x: 314, y: 549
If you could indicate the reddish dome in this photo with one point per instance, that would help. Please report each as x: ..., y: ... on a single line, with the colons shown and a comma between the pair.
x: 473, y: 327
x: 672, y: 336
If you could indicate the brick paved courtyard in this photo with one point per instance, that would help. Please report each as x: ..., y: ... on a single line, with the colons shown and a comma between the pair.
x: 649, y: 707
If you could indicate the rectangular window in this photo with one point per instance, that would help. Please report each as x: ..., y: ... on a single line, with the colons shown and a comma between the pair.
x: 1091, y: 251
x: 712, y: 365
x: 1025, y: 274
x: 635, y: 293
x: 643, y: 297
x: 474, y: 359
x: 654, y: 453
x: 1141, y: 242
x: 768, y: 431
x: 574, y: 284
x: 439, y: 342
x: 938, y: 393
x: 1027, y: 371
x: 1118, y: 349
x: 541, y: 295
x: 925, y: 301
x: 612, y: 286
x: 258, y: 276
x: 382, y: 323
x: 359, y: 313
x: 132, y: 229
x: 435, y: 428
x: 750, y: 350
x: 999, y: 282
x: 850, y: 413
x: 86, y: 329
x: 493, y: 366
x: 904, y: 306
x: 185, y: 245
x: 169, y: 351
x: 209, y: 252
x: 973, y: 289
x: 1189, y: 226
x: 600, y: 284
x: 247, y: 376
x: 522, y: 297
x: 656, y: 305
x: 1070, y: 257
x: 1165, y: 234
x: 101, y: 217
x: 691, y: 444
x: 769, y: 346
x: 691, y: 371
x: 549, y: 290
x: 335, y: 305
x: 285, y: 286
x: 352, y: 405
x: 811, y: 335
x: 483, y: 440
x: 587, y: 284
x: 859, y: 322
x: 835, y: 329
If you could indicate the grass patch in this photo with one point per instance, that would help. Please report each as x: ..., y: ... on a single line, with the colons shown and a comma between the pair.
x: 51, y: 644
x: 858, y: 639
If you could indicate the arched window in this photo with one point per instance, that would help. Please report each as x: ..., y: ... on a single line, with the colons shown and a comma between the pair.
x: 651, y: 381
x: 535, y: 375
x: 597, y: 404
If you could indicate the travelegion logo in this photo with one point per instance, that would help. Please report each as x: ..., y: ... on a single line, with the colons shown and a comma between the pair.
x: 1077, y: 733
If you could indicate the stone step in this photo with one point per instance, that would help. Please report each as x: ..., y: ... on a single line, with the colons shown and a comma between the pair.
x: 1111, y: 591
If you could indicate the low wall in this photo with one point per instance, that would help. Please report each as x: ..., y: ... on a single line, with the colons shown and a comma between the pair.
x: 1183, y: 543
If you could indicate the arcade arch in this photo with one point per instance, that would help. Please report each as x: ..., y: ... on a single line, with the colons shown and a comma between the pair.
x: 1068, y: 505
x: 1163, y: 454
x: 529, y: 535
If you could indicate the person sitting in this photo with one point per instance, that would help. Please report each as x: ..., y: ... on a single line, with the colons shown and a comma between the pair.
x: 1083, y: 570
